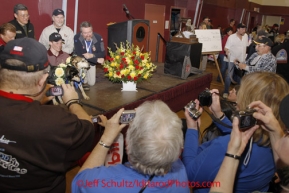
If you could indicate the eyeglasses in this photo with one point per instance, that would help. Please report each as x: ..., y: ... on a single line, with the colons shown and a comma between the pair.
x: 23, y: 16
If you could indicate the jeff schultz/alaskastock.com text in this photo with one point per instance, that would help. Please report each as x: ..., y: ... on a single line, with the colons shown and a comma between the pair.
x: 141, y: 183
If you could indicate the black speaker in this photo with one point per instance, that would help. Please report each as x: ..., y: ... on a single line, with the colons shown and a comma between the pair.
x: 135, y: 31
x: 176, y: 53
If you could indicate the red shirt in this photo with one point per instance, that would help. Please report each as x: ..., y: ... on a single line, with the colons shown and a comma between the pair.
x: 224, y: 40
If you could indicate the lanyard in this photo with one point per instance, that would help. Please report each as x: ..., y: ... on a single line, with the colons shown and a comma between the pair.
x: 88, y: 47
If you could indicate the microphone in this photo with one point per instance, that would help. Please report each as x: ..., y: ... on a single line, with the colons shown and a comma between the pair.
x: 125, y: 9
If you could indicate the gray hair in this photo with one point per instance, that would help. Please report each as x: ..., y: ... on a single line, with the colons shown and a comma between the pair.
x: 19, y: 79
x: 154, y: 138
x: 19, y: 7
x: 85, y: 24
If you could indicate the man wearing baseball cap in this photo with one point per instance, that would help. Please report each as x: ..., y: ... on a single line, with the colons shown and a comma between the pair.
x: 235, y: 49
x: 252, y: 47
x: 55, y: 54
x: 38, y: 143
x: 262, y: 60
x: 58, y: 26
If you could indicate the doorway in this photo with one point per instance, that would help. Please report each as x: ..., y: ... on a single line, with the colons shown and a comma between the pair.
x: 156, y: 15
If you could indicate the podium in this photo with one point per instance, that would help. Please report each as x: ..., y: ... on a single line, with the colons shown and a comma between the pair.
x: 135, y: 31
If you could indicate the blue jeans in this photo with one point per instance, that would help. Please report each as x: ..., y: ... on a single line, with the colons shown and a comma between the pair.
x: 230, y: 74
x: 224, y: 66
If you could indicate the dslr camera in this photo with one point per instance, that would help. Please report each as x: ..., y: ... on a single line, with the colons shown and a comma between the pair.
x: 193, y: 112
x: 246, y: 119
x: 205, y: 98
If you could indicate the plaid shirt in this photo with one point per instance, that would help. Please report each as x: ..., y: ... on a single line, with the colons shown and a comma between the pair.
x: 266, y: 62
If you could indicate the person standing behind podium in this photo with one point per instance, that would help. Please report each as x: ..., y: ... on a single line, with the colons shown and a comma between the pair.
x: 89, y: 45
x: 21, y: 21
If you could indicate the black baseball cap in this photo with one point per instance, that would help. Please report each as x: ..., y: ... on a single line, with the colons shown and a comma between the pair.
x: 58, y: 12
x: 284, y: 110
x: 241, y: 25
x: 264, y: 40
x: 32, y: 53
x: 55, y: 37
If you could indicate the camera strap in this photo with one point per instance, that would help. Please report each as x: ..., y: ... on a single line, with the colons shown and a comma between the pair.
x: 218, y: 120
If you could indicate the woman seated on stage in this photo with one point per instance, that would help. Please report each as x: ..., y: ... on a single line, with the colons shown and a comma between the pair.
x: 154, y: 141
x: 257, y: 166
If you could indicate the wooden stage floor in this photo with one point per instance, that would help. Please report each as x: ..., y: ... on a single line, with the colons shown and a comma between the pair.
x: 106, y: 97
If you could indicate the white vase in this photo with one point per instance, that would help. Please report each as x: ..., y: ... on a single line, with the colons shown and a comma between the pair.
x: 129, y: 86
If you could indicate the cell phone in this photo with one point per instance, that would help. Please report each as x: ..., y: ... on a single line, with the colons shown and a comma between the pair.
x: 55, y: 91
x: 127, y: 116
x: 95, y: 119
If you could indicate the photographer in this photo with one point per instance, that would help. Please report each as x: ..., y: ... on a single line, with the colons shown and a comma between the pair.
x: 203, y: 161
x: 38, y: 143
x: 154, y: 141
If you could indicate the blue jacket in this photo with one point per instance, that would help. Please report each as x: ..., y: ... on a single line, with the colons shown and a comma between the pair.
x: 203, y: 161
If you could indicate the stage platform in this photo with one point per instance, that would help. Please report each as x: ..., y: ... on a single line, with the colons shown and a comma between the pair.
x: 107, y: 98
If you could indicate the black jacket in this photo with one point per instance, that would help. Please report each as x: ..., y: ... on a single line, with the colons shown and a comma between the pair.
x: 20, y: 33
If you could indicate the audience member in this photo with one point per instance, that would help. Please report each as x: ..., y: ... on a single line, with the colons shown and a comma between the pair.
x: 274, y: 32
x: 89, y: 45
x: 279, y: 141
x: 153, y: 147
x: 206, y: 21
x: 222, y: 55
x: 7, y: 33
x: 39, y: 143
x: 58, y: 26
x: 237, y: 144
x: 262, y: 60
x: 232, y: 25
x: 252, y: 47
x: 22, y: 23
x: 55, y: 54
x: 254, y: 174
x: 235, y: 49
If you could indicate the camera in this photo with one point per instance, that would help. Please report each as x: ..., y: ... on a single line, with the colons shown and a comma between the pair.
x: 55, y: 91
x: 246, y: 119
x: 205, y: 98
x: 193, y: 112
x: 95, y: 119
x: 127, y: 116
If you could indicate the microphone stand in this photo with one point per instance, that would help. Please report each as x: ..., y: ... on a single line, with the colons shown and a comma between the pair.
x: 128, y: 15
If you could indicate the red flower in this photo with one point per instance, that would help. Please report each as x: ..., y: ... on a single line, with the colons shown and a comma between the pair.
x: 105, y: 70
x: 142, y: 57
x: 135, y: 78
x: 121, y: 66
x: 132, y: 57
x: 139, y: 75
x: 129, y: 77
x: 123, y: 59
x: 122, y: 53
x: 137, y: 67
x: 134, y: 52
x: 118, y: 73
x: 136, y: 62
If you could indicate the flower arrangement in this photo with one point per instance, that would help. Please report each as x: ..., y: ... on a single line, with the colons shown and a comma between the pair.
x: 128, y: 63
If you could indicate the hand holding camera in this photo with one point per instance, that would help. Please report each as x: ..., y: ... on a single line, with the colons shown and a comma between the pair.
x: 192, y: 113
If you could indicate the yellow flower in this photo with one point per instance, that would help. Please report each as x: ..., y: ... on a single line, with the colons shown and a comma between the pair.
x: 146, y: 76
x: 133, y: 74
x: 59, y: 72
x: 117, y: 57
x: 62, y: 65
x: 68, y: 60
x: 112, y: 64
x: 110, y: 74
x: 59, y: 81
